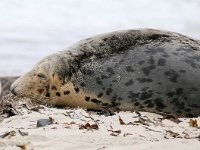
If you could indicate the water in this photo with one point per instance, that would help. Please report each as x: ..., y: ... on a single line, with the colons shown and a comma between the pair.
x: 30, y: 30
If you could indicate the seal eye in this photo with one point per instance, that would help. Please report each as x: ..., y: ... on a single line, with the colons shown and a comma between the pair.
x: 41, y: 76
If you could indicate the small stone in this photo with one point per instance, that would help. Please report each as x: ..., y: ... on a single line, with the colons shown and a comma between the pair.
x: 43, y: 122
x: 10, y: 111
x: 23, y: 133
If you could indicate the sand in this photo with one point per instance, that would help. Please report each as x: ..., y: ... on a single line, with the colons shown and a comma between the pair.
x: 68, y: 131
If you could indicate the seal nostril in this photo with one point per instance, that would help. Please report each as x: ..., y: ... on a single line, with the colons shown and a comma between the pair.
x: 12, y: 89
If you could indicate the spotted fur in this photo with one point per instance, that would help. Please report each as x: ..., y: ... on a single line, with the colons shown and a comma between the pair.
x: 150, y: 70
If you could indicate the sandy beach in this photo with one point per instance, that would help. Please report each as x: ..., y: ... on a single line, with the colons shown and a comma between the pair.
x: 78, y: 129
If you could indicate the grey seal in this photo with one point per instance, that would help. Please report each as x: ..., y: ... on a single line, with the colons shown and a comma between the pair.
x: 145, y: 69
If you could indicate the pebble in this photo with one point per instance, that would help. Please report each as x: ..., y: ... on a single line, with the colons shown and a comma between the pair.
x: 43, y: 122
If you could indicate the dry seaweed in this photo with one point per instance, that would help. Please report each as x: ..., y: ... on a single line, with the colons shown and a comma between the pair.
x: 23, y: 133
x: 22, y: 146
x: 8, y: 134
x: 171, y: 134
x: 121, y: 122
x: 89, y: 126
x: 193, y: 123
x: 114, y: 132
x: 171, y: 118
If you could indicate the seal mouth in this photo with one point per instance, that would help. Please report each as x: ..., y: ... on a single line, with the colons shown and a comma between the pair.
x: 15, y: 91
x: 40, y: 99
x: 34, y: 97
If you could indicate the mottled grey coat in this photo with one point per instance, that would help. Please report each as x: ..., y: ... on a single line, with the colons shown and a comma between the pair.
x: 146, y: 69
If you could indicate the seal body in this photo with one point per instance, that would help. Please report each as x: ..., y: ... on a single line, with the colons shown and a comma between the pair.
x: 149, y: 70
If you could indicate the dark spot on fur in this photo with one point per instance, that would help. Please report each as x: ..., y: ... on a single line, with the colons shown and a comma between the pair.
x: 53, y: 87
x: 145, y: 88
x: 178, y: 104
x: 129, y: 69
x: 130, y: 82
x: 149, y: 103
x: 57, y: 93
x: 119, y: 98
x: 105, y: 104
x: 182, y: 71
x: 136, y: 103
x: 165, y: 55
x: 105, y: 39
x: 104, y: 76
x: 179, y: 91
x: 142, y: 80
x: 194, y: 106
x: 132, y: 95
x: 188, y: 109
x: 98, y: 81
x: 141, y: 107
x: 110, y: 71
x: 82, y: 84
x: 121, y: 61
x: 158, y: 36
x: 118, y: 44
x: 76, y: 89
x: 145, y: 95
x: 194, y: 89
x: 108, y: 91
x: 184, y: 49
x: 155, y: 50
x: 87, y: 72
x: 95, y: 101
x: 173, y: 76
x: 170, y: 94
x: 161, y: 62
x: 40, y: 91
x: 195, y: 57
x: 191, y: 62
x: 115, y: 97
x: 48, y: 95
x: 147, y: 70
x: 100, y: 95
x: 175, y: 53
x: 141, y: 62
x: 114, y: 80
x: 178, y: 111
x: 190, y: 115
x: 47, y: 87
x: 159, y: 103
x: 114, y: 101
x: 66, y: 92
x: 87, y: 98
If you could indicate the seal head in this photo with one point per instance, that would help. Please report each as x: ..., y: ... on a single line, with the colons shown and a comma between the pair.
x: 43, y: 83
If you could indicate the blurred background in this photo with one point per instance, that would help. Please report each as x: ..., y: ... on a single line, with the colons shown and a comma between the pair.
x: 32, y: 29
